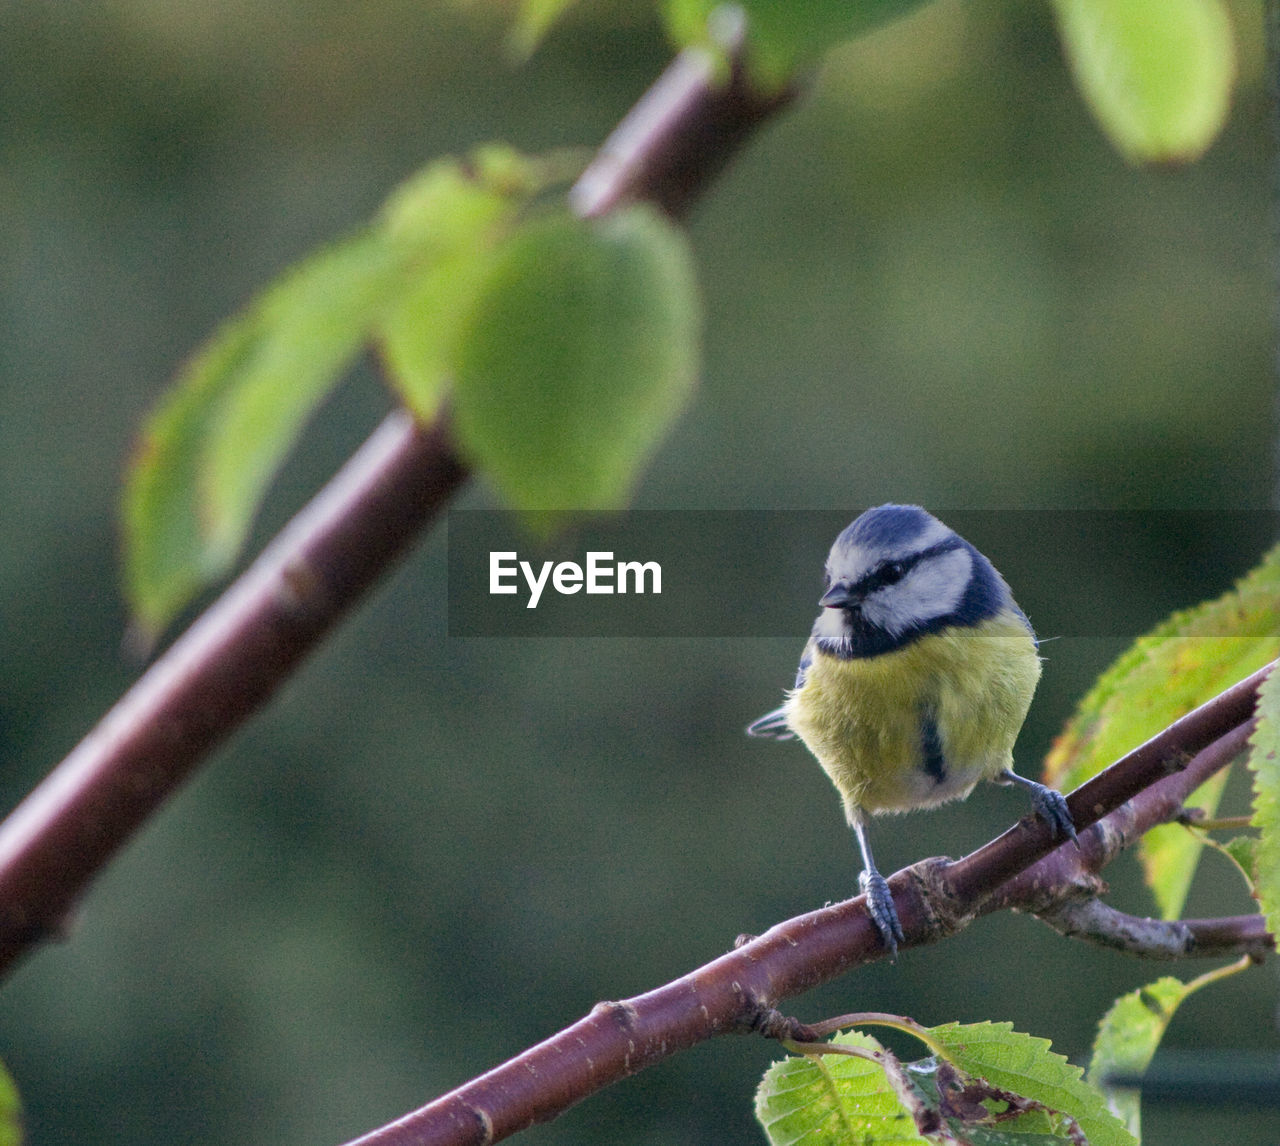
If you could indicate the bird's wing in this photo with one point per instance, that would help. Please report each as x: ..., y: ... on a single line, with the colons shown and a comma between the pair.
x: 773, y: 725
x: 802, y: 670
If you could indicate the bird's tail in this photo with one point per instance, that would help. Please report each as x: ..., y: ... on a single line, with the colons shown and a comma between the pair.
x: 772, y: 725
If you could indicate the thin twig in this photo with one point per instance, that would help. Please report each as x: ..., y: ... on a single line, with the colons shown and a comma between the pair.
x: 1098, y: 923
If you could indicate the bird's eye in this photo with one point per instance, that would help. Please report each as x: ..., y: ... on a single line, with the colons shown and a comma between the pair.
x: 892, y: 572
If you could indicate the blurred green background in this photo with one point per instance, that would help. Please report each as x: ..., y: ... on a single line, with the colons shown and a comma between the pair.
x: 931, y: 281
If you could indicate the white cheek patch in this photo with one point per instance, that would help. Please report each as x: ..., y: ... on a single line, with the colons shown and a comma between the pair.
x: 933, y: 589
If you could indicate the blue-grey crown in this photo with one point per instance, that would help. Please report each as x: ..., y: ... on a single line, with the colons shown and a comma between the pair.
x: 888, y: 526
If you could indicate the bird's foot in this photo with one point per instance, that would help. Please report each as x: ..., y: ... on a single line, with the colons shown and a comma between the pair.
x: 882, y: 911
x: 1048, y: 803
x: 1051, y: 806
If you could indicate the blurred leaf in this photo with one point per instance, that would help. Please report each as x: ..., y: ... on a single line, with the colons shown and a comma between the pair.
x: 1157, y: 74
x: 580, y: 351
x: 1243, y: 851
x: 1180, y: 664
x: 784, y: 36
x: 532, y: 21
x: 1170, y: 853
x: 217, y: 439
x: 306, y: 332
x: 208, y: 451
x: 10, y: 1111
x: 1127, y: 1038
x: 1264, y: 762
x: 447, y: 220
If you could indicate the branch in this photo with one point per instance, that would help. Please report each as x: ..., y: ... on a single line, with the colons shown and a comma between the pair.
x: 216, y: 674
x: 739, y: 991
x: 1039, y: 888
x: 1173, y: 755
x: 1096, y: 922
x: 228, y: 664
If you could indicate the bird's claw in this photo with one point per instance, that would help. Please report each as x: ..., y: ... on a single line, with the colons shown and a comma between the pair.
x: 1051, y: 805
x: 882, y: 911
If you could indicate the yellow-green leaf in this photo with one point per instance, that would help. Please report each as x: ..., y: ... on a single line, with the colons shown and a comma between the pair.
x: 1130, y: 1032
x: 10, y: 1111
x: 580, y: 350
x: 1157, y: 74
x: 833, y: 1100
x: 1264, y: 763
x: 1127, y: 1038
x: 217, y: 439
x: 784, y: 36
x: 446, y: 220
x: 1028, y: 1066
x: 532, y: 21
x: 307, y: 330
x: 1170, y: 853
x: 1243, y: 851
x: 1180, y: 664
x: 207, y: 452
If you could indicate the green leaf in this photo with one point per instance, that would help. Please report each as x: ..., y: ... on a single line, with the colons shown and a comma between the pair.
x: 579, y: 352
x: 1184, y: 661
x: 1243, y: 851
x: 832, y: 1100
x: 1264, y: 763
x: 1027, y: 1066
x: 1132, y: 1029
x: 1157, y: 74
x: 533, y: 20
x: 446, y: 220
x: 1170, y: 853
x: 784, y: 36
x: 217, y: 439
x: 10, y: 1111
x: 1127, y: 1038
x: 207, y: 453
x: 987, y: 1085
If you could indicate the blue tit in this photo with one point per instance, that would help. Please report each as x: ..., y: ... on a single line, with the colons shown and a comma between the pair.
x: 915, y: 681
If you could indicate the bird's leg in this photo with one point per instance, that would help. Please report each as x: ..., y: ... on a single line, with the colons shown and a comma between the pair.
x: 879, y: 899
x: 1049, y: 804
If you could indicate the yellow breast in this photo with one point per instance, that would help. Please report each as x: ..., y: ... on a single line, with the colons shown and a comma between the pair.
x: 921, y: 725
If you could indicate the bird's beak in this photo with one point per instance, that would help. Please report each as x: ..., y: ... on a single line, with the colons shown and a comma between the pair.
x: 840, y: 596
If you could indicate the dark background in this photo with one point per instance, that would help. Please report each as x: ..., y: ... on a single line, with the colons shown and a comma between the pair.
x: 932, y: 281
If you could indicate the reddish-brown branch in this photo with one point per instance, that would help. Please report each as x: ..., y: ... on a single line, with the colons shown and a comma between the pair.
x: 216, y: 674
x: 739, y: 990
x: 1164, y: 756
x: 235, y: 656
x: 1102, y: 925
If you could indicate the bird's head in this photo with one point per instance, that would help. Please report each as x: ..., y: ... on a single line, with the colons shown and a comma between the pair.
x: 898, y: 573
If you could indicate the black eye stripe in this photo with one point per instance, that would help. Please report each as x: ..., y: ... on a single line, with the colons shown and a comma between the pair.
x: 891, y: 572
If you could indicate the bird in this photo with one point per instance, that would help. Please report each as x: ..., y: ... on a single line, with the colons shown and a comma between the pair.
x: 914, y: 683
